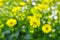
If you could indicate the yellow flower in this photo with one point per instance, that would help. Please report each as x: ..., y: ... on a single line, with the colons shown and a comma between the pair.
x: 15, y: 9
x: 46, y: 28
x: 11, y: 22
x: 22, y: 3
x: 34, y: 22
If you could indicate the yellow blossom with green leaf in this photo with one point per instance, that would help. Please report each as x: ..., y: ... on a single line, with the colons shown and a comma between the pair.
x: 29, y: 19
x: 46, y: 28
x: 11, y: 22
x: 34, y: 22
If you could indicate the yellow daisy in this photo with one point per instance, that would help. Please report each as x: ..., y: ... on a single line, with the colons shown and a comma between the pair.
x: 11, y: 22
x: 34, y: 22
x: 46, y: 28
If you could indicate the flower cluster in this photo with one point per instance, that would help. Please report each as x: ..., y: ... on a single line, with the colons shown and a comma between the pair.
x: 29, y: 19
